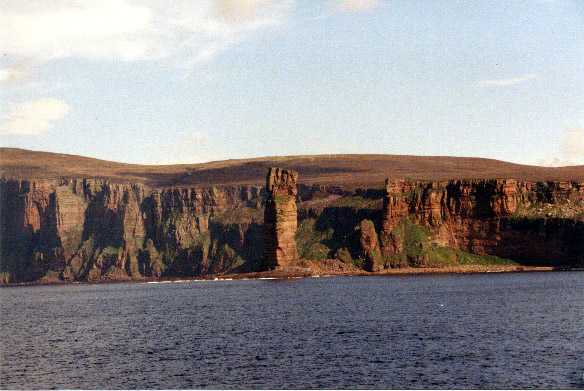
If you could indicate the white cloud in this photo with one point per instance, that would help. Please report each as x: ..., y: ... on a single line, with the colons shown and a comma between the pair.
x: 557, y: 162
x: 45, y: 30
x: 571, y: 151
x: 554, y: 162
x: 573, y: 145
x: 187, y: 148
x: 34, y: 117
x: 240, y: 11
x: 357, y: 5
x: 11, y: 74
x: 130, y: 30
x: 507, y: 82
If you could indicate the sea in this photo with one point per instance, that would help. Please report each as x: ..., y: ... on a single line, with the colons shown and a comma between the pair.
x: 499, y: 330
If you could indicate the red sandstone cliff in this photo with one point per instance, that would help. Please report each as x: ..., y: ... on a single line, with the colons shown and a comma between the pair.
x: 508, y: 218
x: 83, y: 229
x: 87, y: 229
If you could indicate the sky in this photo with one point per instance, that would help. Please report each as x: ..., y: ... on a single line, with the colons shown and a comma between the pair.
x: 141, y: 81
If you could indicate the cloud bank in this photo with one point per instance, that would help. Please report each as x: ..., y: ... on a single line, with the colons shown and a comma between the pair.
x: 33, y: 118
x: 572, y: 146
x: 183, y: 33
x: 39, y: 31
x: 571, y: 150
x: 507, y: 82
x: 11, y: 74
x: 357, y: 5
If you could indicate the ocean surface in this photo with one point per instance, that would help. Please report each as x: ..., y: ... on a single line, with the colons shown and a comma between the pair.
x: 442, y: 331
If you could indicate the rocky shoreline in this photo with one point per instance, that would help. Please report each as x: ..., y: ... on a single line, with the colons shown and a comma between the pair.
x: 282, y: 275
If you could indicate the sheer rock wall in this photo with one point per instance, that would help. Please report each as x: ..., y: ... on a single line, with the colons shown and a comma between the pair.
x: 508, y: 218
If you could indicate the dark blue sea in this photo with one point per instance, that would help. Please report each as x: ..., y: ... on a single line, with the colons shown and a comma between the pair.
x: 519, y: 330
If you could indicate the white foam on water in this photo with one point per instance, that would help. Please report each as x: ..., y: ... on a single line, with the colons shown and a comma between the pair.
x: 169, y: 282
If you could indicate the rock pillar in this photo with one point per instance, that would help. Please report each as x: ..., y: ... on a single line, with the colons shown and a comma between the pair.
x: 280, y: 218
x: 395, y: 209
x: 370, y: 249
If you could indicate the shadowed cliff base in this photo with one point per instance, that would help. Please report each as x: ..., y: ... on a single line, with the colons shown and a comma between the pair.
x: 357, y: 170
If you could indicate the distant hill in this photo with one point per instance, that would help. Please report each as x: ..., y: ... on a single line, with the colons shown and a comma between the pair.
x: 325, y: 169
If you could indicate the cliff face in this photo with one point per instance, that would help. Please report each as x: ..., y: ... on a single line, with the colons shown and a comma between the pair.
x: 96, y: 230
x: 533, y: 222
x: 89, y: 230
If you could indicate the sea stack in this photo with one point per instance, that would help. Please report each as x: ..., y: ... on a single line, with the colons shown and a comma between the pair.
x: 280, y: 219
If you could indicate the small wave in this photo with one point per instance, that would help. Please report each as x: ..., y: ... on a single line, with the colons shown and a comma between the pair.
x: 167, y: 281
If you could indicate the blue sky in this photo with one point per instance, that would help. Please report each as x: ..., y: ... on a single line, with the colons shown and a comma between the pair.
x: 138, y: 82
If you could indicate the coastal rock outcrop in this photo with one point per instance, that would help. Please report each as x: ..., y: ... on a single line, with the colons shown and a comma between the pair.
x: 371, y: 252
x: 91, y: 229
x: 280, y: 218
x: 484, y: 217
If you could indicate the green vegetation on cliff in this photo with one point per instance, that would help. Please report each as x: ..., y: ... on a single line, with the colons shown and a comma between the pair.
x: 357, y: 202
x: 240, y: 215
x: 413, y: 239
x: 541, y: 210
x: 311, y: 242
x: 418, y: 251
x: 446, y: 256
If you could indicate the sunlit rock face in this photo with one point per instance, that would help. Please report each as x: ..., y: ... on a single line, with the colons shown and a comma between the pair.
x: 503, y: 217
x: 280, y: 218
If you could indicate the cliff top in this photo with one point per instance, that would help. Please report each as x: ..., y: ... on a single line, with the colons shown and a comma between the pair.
x: 322, y: 169
x: 281, y: 181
